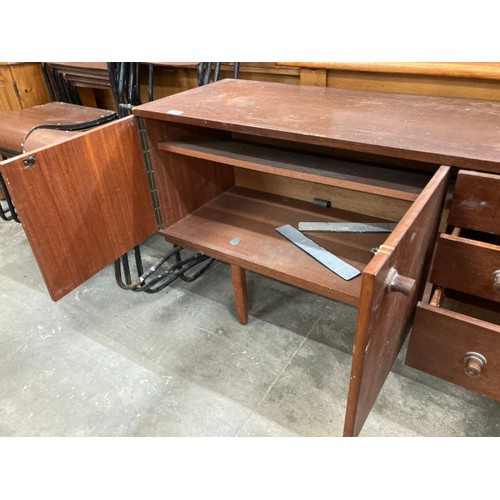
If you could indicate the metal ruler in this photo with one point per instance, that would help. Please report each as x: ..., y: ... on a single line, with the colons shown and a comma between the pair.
x: 328, y: 259
x: 348, y: 227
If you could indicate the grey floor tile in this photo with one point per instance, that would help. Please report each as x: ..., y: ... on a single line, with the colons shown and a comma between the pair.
x: 16, y: 258
x: 56, y: 382
x: 309, y: 398
x: 269, y: 300
x: 278, y: 303
x: 336, y: 327
x: 407, y: 406
x: 185, y: 409
x: 202, y: 341
x: 6, y: 431
x: 260, y: 426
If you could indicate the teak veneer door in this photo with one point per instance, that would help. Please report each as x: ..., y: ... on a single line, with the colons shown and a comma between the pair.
x: 392, y: 283
x: 83, y: 202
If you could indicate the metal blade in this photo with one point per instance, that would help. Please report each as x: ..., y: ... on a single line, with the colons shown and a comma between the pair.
x: 329, y: 260
x: 348, y: 227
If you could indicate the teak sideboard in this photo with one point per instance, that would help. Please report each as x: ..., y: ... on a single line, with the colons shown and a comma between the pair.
x: 219, y: 168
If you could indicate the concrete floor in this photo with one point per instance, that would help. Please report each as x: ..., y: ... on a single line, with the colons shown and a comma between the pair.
x: 107, y: 362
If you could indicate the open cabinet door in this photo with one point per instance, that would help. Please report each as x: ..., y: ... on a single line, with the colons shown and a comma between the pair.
x: 83, y: 202
x: 392, y: 283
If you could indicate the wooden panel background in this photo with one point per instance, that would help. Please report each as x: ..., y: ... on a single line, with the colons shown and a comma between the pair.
x: 28, y: 90
x: 358, y: 202
x: 183, y: 183
x: 475, y: 80
x: 173, y: 77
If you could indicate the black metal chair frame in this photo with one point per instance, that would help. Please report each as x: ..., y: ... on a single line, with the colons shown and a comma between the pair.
x: 204, y: 71
x: 180, y: 267
x: 7, y: 209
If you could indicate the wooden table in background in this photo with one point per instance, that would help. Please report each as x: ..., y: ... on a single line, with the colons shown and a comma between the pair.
x: 477, y: 80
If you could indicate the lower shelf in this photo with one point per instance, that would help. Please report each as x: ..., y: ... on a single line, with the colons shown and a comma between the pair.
x: 239, y: 227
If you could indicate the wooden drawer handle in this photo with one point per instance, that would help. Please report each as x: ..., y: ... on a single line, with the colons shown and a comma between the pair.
x: 474, y: 364
x: 397, y: 283
x: 496, y: 281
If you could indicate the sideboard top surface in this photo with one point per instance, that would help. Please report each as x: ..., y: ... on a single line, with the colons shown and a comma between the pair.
x: 454, y: 131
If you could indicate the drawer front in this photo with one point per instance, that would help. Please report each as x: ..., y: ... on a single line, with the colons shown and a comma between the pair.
x: 448, y: 344
x: 467, y: 266
x: 476, y: 202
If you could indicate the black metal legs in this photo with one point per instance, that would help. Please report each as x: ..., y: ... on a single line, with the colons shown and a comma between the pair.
x: 7, y: 209
x: 148, y: 283
x: 125, y: 83
x: 205, y: 70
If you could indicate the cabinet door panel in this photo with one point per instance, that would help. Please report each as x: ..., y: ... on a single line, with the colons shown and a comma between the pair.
x: 83, y: 202
x: 392, y: 283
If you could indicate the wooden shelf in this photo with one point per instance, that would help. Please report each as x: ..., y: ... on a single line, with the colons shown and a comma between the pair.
x: 252, y: 217
x: 356, y: 176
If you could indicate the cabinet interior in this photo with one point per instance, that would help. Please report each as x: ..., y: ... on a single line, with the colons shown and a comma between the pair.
x: 225, y: 194
x: 468, y: 305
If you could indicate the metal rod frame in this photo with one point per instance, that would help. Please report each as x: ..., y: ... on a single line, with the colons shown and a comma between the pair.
x: 148, y: 283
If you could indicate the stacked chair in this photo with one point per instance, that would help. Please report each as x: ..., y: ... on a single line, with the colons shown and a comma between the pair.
x: 28, y: 129
x: 64, y: 80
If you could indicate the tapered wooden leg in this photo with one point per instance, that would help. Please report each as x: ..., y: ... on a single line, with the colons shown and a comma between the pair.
x: 240, y: 293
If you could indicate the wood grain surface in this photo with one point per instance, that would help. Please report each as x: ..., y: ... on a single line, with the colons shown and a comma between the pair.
x: 476, y: 202
x: 466, y: 265
x: 441, y: 130
x: 83, y: 202
x: 15, y: 125
x: 252, y: 217
x: 385, y: 316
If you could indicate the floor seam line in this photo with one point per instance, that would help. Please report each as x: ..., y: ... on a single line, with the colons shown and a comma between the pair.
x: 287, y: 364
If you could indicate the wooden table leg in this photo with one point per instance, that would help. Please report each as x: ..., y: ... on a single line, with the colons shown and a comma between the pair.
x: 240, y: 293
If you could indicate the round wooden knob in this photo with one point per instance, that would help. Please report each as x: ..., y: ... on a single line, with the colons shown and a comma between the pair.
x: 474, y: 364
x: 496, y: 281
x: 397, y: 283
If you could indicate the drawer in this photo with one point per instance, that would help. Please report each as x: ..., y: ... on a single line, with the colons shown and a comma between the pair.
x: 476, y: 202
x: 458, y: 341
x: 468, y: 266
